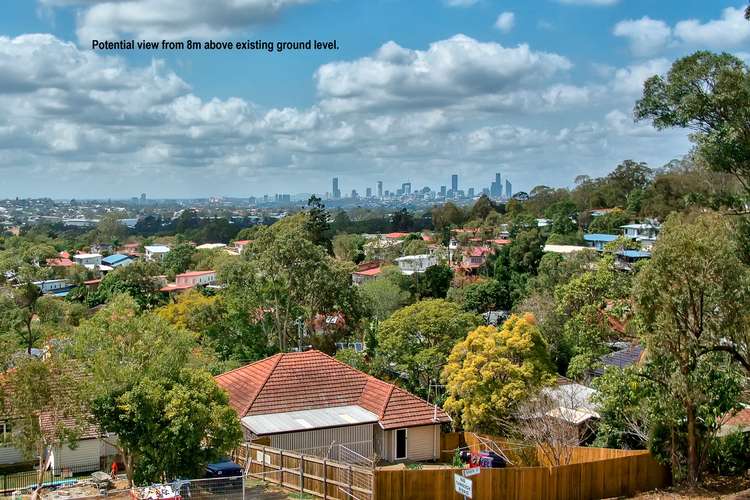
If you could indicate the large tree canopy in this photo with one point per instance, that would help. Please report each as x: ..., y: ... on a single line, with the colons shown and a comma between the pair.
x: 708, y: 93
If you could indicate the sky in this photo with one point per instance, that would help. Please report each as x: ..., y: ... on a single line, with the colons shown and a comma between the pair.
x: 540, y: 91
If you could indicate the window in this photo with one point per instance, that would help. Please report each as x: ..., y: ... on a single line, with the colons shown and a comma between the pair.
x: 5, y: 431
x: 400, y: 444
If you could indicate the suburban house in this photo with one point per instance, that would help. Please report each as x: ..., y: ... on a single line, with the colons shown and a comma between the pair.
x: 308, y: 401
x: 117, y: 260
x: 735, y: 421
x: 130, y: 248
x: 190, y: 279
x: 88, y: 454
x: 156, y: 252
x: 88, y: 260
x: 636, y: 231
x: 598, y: 240
x: 63, y: 260
x: 626, y: 259
x: 564, y: 249
x: 211, y: 246
x: 475, y: 257
x: 411, y: 264
x: 53, y: 286
x: 367, y: 271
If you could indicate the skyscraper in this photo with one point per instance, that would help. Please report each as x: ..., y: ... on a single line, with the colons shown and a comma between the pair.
x: 335, y: 191
x: 508, y: 189
x: 454, y: 184
x: 380, y: 189
x: 406, y: 188
x: 368, y: 192
x: 471, y: 192
x: 496, y: 189
x: 442, y: 191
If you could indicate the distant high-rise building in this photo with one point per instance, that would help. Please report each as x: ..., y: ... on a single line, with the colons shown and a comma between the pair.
x: 486, y: 191
x: 496, y: 188
x: 380, y: 189
x: 471, y: 192
x: 406, y: 188
x: 508, y: 189
x: 335, y: 191
x: 368, y: 192
x: 387, y: 193
x: 454, y: 183
x: 354, y: 194
x: 442, y: 191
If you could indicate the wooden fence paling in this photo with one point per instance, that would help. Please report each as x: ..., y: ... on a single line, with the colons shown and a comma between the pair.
x: 612, y: 477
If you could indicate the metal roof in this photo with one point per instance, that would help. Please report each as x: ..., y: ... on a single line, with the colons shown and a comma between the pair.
x: 274, y: 423
x: 157, y: 248
x: 115, y: 258
x: 634, y: 254
x: 600, y: 237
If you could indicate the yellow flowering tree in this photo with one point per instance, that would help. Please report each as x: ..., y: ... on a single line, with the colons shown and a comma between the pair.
x: 492, y: 370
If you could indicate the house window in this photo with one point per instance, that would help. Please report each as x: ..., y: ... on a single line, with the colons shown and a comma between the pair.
x: 5, y: 432
x: 400, y: 444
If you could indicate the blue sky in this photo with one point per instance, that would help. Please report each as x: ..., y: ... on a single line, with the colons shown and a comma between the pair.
x: 541, y: 91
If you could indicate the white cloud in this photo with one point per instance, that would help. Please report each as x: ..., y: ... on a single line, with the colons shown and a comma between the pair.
x: 169, y: 19
x: 646, y: 36
x: 505, y: 22
x: 460, y: 3
x: 730, y: 31
x: 628, y: 81
x: 589, y: 2
x: 449, y: 73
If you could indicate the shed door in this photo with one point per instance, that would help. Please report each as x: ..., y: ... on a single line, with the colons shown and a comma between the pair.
x: 400, y: 444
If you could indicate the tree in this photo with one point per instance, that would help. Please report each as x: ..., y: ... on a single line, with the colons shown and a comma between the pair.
x: 349, y: 247
x: 482, y: 208
x: 317, y: 225
x: 693, y: 297
x: 586, y: 301
x: 47, y: 411
x: 492, y: 371
x: 137, y: 280
x: 415, y: 341
x: 110, y: 229
x: 26, y: 297
x: 169, y: 415
x: 415, y: 246
x: 446, y: 216
x: 434, y: 282
x: 282, y: 278
x: 178, y: 259
x: 609, y: 222
x: 488, y: 295
x: 707, y: 93
x: 383, y: 297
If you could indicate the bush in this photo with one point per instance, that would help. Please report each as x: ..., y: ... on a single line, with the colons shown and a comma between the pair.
x: 730, y: 455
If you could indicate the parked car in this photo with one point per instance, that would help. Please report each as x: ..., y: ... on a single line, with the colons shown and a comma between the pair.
x: 223, y: 468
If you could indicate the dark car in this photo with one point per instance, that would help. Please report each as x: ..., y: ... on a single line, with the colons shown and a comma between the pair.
x: 223, y: 468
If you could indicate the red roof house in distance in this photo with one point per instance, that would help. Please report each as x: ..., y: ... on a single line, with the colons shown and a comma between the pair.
x: 190, y: 279
x: 396, y: 236
x: 367, y: 271
x: 308, y: 400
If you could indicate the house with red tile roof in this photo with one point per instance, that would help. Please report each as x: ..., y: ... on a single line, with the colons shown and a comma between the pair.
x: 308, y: 401
x: 367, y: 271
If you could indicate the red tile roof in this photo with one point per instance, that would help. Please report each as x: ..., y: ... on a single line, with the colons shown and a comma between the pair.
x: 396, y: 236
x: 739, y: 419
x: 311, y: 379
x: 369, y: 272
x: 60, y: 262
x: 500, y: 241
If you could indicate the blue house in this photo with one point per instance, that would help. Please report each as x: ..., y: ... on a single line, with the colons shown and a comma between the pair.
x: 117, y: 260
x: 597, y: 240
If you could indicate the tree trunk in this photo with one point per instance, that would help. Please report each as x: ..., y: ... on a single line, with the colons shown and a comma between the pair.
x: 692, y: 443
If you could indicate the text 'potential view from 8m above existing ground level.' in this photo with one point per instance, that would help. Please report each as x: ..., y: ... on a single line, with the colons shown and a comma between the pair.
x: 374, y: 250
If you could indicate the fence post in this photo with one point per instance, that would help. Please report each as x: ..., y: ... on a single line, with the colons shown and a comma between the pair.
x: 248, y: 460
x: 263, y: 465
x: 281, y: 461
x: 350, y: 480
x: 325, y: 479
x: 301, y: 473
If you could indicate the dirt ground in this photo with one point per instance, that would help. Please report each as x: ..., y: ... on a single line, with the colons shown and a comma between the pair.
x: 724, y: 488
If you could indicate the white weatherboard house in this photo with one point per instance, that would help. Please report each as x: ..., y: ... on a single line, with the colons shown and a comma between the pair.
x: 411, y: 264
x: 88, y: 259
x: 311, y: 403
x: 156, y: 252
